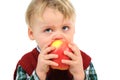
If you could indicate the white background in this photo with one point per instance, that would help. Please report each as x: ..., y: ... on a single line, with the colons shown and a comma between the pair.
x: 97, y: 33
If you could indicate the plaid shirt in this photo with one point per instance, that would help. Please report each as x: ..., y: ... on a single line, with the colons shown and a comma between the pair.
x: 90, y: 74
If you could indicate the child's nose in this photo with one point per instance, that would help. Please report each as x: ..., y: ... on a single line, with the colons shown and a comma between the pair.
x: 58, y: 36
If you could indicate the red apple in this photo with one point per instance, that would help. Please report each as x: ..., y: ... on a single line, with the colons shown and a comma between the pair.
x: 60, y: 46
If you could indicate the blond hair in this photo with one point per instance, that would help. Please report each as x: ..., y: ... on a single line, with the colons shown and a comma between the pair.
x: 38, y: 7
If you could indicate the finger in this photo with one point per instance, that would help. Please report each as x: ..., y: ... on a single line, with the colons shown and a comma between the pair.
x: 70, y: 55
x: 68, y: 62
x: 47, y: 50
x: 50, y: 56
x: 52, y: 63
x: 74, y: 48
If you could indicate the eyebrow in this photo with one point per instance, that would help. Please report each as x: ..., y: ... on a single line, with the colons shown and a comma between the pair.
x: 68, y: 23
x: 45, y: 25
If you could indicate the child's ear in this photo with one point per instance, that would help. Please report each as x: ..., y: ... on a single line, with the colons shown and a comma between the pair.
x: 30, y: 33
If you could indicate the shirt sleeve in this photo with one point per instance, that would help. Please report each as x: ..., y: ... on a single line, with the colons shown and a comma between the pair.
x: 90, y: 73
x: 22, y: 75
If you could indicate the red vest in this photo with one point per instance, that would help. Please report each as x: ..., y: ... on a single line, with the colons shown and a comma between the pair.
x: 29, y: 62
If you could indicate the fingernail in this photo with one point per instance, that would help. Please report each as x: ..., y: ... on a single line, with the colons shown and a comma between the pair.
x: 69, y: 45
x: 56, y: 56
x: 56, y: 64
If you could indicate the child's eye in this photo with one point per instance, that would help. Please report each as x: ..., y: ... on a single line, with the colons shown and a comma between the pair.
x: 48, y: 30
x: 65, y: 28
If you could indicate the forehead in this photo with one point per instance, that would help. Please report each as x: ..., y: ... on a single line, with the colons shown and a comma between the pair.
x: 52, y: 16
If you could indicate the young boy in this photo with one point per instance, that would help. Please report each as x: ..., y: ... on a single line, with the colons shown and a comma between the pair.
x: 50, y: 20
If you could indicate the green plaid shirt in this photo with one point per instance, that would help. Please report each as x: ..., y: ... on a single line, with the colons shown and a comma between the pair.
x: 90, y: 74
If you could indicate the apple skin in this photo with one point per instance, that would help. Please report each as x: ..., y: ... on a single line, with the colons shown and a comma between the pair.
x: 60, y: 46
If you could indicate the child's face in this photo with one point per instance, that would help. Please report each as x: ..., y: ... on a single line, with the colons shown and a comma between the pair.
x: 53, y: 26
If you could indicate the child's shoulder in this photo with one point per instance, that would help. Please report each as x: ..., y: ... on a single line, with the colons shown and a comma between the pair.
x: 29, y: 56
x: 29, y: 61
x: 86, y: 59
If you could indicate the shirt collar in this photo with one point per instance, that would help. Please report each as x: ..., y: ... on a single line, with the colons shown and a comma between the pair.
x: 38, y: 48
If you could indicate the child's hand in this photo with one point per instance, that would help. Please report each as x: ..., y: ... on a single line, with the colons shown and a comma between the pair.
x: 76, y: 64
x: 44, y: 61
